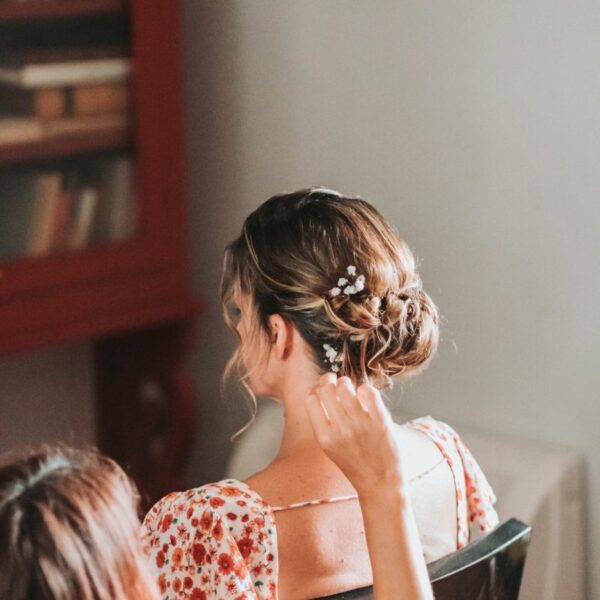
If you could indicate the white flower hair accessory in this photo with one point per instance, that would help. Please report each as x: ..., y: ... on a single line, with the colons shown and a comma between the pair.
x: 346, y: 286
x: 333, y: 357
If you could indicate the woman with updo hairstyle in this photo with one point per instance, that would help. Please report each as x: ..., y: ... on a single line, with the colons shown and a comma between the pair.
x: 293, y: 258
x: 329, y: 309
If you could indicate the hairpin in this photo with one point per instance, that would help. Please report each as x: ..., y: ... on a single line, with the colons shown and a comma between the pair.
x: 333, y: 357
x: 347, y: 287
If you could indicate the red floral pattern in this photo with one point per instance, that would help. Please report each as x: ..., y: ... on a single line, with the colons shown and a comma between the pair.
x: 216, y: 541
x: 219, y: 541
x: 475, y: 498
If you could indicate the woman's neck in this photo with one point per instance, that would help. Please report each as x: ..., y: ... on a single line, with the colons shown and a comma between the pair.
x: 298, y: 437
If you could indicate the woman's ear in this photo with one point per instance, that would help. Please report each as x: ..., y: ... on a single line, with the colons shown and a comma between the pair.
x: 281, y: 336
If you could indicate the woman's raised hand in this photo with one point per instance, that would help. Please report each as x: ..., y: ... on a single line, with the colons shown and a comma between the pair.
x: 354, y: 428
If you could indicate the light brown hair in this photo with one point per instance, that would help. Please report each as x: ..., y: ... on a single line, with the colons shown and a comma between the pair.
x: 69, y: 529
x: 289, y: 256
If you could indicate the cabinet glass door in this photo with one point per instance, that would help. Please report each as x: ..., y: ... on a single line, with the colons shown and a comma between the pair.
x: 67, y: 170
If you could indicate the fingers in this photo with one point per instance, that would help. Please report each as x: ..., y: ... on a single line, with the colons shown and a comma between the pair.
x: 371, y: 400
x: 328, y: 396
x: 318, y: 417
x: 321, y: 406
x: 349, y: 399
x: 341, y: 401
x: 327, y: 378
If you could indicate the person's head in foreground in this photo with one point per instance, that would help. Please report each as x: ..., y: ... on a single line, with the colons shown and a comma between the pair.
x: 335, y: 269
x: 69, y: 529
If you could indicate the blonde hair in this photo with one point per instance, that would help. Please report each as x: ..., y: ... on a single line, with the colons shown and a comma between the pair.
x: 290, y: 254
x: 69, y: 530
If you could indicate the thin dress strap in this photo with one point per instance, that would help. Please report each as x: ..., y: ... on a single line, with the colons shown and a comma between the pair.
x: 474, y: 496
x: 351, y: 496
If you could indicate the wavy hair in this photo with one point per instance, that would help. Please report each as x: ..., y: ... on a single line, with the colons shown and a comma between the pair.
x: 292, y: 251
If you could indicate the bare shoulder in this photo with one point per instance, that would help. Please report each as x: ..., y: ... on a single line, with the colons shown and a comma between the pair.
x: 418, y: 449
x: 296, y: 479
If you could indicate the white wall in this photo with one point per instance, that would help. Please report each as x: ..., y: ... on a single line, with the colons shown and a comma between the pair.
x: 475, y: 128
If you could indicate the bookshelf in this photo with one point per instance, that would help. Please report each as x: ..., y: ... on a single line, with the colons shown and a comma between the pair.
x: 38, y: 9
x: 92, y: 214
x: 118, y: 138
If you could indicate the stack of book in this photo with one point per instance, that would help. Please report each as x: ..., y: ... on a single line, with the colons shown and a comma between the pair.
x: 52, y: 211
x: 60, y: 92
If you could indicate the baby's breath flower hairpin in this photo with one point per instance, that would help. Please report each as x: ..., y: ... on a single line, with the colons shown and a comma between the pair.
x: 346, y: 286
x: 350, y: 283
x: 333, y: 357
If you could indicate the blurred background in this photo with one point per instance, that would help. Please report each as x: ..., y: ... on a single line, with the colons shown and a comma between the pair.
x: 475, y: 128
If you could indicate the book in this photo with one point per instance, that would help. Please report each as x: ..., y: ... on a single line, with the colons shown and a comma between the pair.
x: 123, y: 218
x: 14, y: 130
x: 44, y: 103
x: 56, y: 103
x: 17, y: 130
x: 46, y: 203
x: 17, y: 194
x: 116, y: 218
x: 98, y: 99
x: 85, y: 124
x: 78, y: 72
x: 82, y: 218
x: 61, y: 219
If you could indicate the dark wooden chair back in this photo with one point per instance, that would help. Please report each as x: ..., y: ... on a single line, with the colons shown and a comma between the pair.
x: 490, y: 568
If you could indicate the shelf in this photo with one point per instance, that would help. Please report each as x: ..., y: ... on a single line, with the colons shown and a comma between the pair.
x: 131, y: 298
x: 117, y: 139
x: 14, y: 10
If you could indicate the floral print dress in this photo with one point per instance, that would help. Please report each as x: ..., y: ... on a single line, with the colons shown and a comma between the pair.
x: 219, y: 541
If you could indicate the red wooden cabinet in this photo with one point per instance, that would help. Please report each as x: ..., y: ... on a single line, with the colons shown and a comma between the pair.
x: 131, y: 297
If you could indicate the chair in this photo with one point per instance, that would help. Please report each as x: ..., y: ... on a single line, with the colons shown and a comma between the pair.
x: 490, y: 568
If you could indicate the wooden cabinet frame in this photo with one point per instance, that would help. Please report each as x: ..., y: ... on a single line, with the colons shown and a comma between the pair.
x: 132, y: 299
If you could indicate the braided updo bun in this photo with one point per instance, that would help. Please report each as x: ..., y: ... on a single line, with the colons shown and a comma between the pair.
x: 333, y: 266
